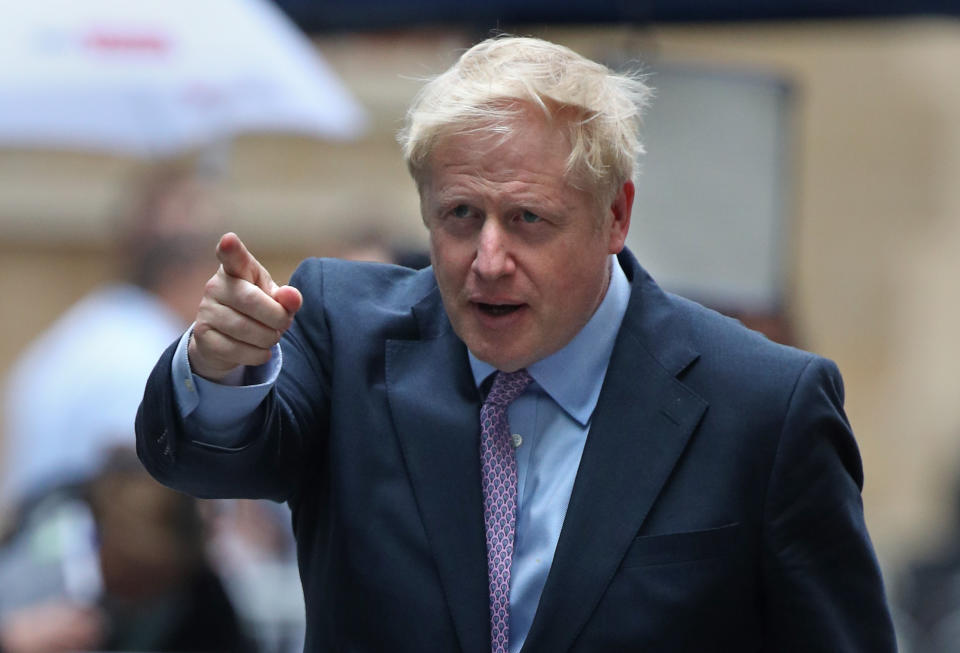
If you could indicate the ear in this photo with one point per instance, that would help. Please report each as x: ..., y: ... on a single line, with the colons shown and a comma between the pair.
x: 620, y: 210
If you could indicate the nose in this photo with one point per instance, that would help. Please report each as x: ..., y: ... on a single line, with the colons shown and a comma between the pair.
x: 493, y: 258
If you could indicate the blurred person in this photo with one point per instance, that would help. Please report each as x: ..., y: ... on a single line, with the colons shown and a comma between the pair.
x: 72, y: 396
x: 367, y: 246
x: 51, y: 627
x: 928, y: 593
x: 374, y: 248
x: 528, y: 445
x: 156, y: 592
x: 73, y: 393
x: 774, y: 324
x: 160, y: 592
x: 253, y: 552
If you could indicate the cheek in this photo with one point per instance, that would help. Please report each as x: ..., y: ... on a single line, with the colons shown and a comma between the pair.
x: 449, y: 267
x: 568, y: 277
x: 450, y: 253
x: 574, y: 289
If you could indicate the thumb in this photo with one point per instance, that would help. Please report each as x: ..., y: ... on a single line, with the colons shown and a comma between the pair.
x: 288, y: 297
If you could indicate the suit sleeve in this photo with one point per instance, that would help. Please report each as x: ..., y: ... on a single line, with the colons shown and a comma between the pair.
x: 286, y: 430
x: 822, y: 584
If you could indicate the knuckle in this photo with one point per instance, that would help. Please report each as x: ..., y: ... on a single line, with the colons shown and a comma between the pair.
x: 200, y: 332
x: 262, y: 356
x: 209, y: 342
x: 249, y: 297
x: 205, y: 307
x: 212, y: 285
x: 227, y: 355
x: 262, y: 338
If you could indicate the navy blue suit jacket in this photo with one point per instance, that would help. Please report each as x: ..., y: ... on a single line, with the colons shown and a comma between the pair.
x: 716, y: 508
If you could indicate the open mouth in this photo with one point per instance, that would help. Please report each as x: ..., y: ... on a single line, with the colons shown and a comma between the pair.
x: 497, y: 309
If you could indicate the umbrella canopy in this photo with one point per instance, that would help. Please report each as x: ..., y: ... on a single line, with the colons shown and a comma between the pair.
x: 155, y: 77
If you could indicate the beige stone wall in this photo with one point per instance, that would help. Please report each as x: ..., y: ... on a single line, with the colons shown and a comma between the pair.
x: 875, y: 221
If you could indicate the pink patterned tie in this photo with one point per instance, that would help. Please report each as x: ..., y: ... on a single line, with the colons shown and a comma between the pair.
x: 499, y: 498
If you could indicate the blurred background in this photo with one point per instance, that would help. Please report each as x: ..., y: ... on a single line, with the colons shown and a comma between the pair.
x: 802, y: 173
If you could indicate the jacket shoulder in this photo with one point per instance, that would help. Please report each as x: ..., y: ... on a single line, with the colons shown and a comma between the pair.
x: 351, y: 282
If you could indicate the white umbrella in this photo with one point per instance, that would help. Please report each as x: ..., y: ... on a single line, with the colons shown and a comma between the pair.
x: 155, y: 77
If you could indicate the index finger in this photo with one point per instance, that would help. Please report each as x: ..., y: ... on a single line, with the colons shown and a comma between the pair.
x: 237, y: 261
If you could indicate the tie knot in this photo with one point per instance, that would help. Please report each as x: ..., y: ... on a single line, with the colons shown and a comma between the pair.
x: 507, y: 386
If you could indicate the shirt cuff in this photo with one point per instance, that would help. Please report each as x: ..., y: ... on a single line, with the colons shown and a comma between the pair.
x: 218, y: 411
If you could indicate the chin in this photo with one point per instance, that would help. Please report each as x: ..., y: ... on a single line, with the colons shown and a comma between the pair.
x: 493, y: 355
x: 505, y: 363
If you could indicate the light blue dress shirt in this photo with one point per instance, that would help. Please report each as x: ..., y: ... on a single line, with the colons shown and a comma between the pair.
x: 552, y: 416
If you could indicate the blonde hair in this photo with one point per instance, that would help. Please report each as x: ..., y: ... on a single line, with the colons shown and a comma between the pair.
x: 492, y: 83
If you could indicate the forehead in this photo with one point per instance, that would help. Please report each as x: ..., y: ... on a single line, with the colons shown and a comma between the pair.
x: 529, y: 146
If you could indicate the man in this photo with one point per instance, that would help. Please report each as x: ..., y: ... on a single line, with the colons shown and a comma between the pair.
x: 669, y: 481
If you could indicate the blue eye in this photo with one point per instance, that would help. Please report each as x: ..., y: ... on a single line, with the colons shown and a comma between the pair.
x: 529, y: 217
x: 461, y: 211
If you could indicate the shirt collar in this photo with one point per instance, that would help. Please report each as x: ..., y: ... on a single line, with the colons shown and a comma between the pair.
x: 574, y: 375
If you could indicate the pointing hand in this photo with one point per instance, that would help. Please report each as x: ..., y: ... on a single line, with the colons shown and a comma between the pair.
x: 242, y: 314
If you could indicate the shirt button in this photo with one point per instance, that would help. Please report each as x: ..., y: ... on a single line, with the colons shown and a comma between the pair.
x: 516, y: 440
x: 188, y: 383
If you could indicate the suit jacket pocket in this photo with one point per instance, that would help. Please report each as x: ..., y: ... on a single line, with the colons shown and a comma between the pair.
x: 672, y: 548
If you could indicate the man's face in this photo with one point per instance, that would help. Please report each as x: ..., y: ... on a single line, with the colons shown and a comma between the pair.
x: 520, y: 255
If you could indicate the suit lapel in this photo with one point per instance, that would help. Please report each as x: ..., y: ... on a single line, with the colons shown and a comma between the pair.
x: 436, y: 407
x: 642, y: 423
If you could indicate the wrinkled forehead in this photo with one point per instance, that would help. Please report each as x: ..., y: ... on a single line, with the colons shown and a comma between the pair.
x: 526, y: 136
